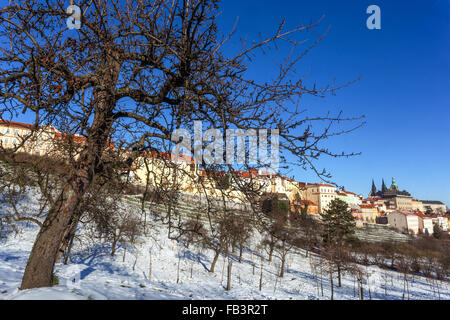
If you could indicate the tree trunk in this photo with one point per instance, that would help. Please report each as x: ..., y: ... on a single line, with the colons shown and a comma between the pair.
x: 213, y: 264
x: 271, y: 247
x: 331, y: 280
x: 230, y: 265
x: 241, y: 249
x: 283, y: 262
x: 71, y: 237
x: 339, y: 274
x: 360, y: 287
x: 39, y: 269
x: 404, y: 286
x: 261, y: 276
x: 64, y: 243
x: 178, y: 267
x: 321, y: 280
x: 150, y: 267
x: 114, y: 245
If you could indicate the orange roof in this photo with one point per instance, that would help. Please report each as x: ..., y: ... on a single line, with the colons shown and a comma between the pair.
x: 374, y: 198
x: 75, y: 138
x: 407, y: 213
x: 167, y: 155
x: 16, y: 124
x: 423, y: 216
x: 325, y: 185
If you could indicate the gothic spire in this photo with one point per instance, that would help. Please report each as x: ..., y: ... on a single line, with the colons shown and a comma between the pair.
x: 373, y: 192
x: 383, y: 186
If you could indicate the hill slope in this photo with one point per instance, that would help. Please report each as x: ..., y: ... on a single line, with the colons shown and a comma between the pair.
x: 94, y: 274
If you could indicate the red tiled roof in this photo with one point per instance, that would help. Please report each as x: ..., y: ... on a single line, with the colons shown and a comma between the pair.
x: 367, y: 206
x: 325, y: 185
x: 78, y: 139
x: 167, y: 155
x: 374, y: 199
x: 423, y: 216
x: 406, y: 213
x: 16, y: 124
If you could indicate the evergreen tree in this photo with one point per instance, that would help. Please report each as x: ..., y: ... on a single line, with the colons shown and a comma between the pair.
x: 436, y: 231
x: 339, y: 224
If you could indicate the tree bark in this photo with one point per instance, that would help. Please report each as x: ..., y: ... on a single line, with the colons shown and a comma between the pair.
x: 230, y: 265
x: 68, y: 239
x: 70, y: 244
x: 331, y: 280
x: 213, y: 264
x: 261, y: 276
x: 360, y: 287
x: 283, y: 260
x: 271, y: 247
x: 339, y: 274
x: 39, y: 269
x: 114, y: 245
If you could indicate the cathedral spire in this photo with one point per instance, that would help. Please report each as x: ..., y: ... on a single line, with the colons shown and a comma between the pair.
x: 383, y: 186
x: 373, y: 192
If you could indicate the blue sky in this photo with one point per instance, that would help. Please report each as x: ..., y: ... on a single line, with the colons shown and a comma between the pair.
x: 404, y: 91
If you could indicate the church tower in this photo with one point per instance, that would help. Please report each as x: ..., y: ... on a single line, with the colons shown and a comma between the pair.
x: 383, y: 186
x: 394, y: 185
x: 373, y: 192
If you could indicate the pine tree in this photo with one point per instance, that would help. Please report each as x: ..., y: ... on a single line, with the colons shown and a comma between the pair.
x: 436, y: 231
x: 339, y: 224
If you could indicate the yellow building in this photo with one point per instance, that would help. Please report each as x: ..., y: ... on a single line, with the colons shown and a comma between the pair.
x: 22, y: 137
x: 321, y: 194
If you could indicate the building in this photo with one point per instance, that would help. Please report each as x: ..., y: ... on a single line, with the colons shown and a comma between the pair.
x: 404, y: 221
x: 434, y: 206
x: 369, y: 213
x: 23, y: 137
x: 186, y: 177
x: 393, y: 197
x: 441, y: 221
x: 379, y: 203
x: 312, y: 208
x: 321, y: 194
x: 403, y: 201
x: 425, y: 223
x: 417, y: 205
x: 352, y: 199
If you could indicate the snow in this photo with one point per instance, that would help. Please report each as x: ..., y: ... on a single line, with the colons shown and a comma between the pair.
x: 95, y: 274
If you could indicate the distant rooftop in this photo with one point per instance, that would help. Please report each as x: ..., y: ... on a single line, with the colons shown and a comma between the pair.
x: 431, y: 202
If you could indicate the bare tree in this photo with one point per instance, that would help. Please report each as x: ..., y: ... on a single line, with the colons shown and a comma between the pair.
x: 133, y: 73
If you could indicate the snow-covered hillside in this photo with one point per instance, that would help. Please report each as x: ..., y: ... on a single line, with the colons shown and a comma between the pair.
x: 94, y: 274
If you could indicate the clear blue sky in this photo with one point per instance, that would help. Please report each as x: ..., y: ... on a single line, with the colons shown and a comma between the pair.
x: 404, y: 91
